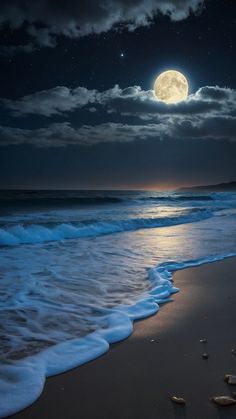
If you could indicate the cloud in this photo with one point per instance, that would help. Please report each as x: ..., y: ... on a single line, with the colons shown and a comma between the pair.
x: 55, y: 101
x: 44, y: 20
x: 210, y: 113
x: 174, y: 127
x: 63, y: 134
x: 215, y: 127
x: 130, y: 101
x: 133, y: 101
x: 9, y: 51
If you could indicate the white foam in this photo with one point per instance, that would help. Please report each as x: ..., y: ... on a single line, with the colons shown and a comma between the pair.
x: 22, y: 382
x: 36, y: 233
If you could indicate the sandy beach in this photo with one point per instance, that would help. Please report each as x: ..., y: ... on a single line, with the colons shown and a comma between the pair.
x: 163, y: 357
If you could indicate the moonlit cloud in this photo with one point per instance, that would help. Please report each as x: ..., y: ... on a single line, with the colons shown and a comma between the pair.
x: 210, y: 113
x: 168, y: 127
x: 208, y: 102
x: 131, y: 101
x: 63, y: 134
x: 51, y: 102
x: 45, y: 20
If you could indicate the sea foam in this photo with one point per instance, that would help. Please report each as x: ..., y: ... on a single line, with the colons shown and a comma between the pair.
x: 22, y: 381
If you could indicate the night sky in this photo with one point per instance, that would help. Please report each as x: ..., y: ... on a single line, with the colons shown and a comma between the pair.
x: 77, y: 106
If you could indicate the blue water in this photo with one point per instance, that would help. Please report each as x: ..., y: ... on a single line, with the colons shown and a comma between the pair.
x: 78, y: 267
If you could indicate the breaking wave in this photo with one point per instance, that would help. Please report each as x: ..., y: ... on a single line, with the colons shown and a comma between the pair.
x: 36, y: 233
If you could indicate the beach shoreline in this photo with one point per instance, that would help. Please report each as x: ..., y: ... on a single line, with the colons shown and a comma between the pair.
x: 163, y: 357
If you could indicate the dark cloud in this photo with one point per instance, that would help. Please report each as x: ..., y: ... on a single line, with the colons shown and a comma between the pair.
x: 217, y: 93
x: 51, y: 102
x: 207, y: 114
x: 131, y: 101
x: 63, y: 134
x: 44, y: 20
x: 137, y: 102
x: 12, y: 49
x: 177, y: 128
x: 216, y: 127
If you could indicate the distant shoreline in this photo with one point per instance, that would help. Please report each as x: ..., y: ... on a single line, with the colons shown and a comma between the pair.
x: 220, y: 187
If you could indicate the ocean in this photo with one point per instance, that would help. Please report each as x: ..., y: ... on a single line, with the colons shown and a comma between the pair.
x: 78, y: 267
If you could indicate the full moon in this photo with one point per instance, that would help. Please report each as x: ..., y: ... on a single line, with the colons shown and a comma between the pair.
x: 171, y: 87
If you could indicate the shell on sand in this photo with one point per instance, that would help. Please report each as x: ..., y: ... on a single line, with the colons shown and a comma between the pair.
x: 223, y: 400
x: 230, y: 379
x: 178, y: 400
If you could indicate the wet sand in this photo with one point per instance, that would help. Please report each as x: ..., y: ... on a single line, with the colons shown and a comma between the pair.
x: 163, y: 357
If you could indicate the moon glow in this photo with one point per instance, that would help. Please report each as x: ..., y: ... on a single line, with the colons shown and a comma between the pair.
x: 171, y: 87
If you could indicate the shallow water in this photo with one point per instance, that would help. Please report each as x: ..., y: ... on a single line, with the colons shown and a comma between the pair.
x: 78, y: 267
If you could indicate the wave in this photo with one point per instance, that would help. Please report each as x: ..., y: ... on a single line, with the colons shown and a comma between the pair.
x: 179, y: 198
x: 72, y: 199
x: 36, y: 233
x: 60, y: 201
x: 22, y: 382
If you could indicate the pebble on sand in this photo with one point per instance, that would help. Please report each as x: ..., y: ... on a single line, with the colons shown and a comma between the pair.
x: 230, y: 379
x: 223, y: 400
x: 178, y: 400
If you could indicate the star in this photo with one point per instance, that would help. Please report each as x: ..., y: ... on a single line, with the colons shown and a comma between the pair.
x: 122, y: 55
